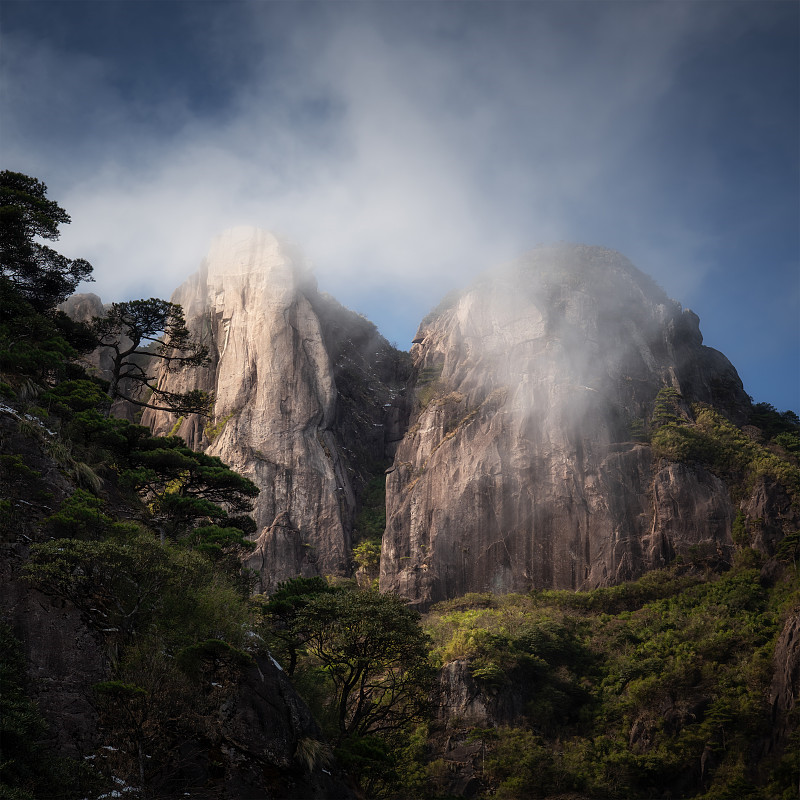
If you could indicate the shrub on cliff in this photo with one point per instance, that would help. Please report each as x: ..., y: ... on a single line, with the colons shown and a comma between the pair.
x: 665, y: 682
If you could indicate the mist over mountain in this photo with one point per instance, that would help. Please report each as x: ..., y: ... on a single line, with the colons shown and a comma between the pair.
x: 523, y: 429
x: 528, y: 463
x: 305, y: 399
x: 599, y: 526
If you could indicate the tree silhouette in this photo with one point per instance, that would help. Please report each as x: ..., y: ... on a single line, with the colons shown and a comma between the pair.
x: 43, y: 277
x: 144, y: 334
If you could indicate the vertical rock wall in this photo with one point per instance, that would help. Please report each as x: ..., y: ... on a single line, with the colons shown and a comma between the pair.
x: 278, y: 355
x: 520, y: 468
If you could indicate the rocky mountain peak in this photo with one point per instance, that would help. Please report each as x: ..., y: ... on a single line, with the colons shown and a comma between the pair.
x: 523, y: 466
x: 257, y: 259
x: 286, y: 365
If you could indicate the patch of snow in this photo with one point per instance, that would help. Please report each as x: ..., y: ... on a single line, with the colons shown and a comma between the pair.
x: 32, y: 418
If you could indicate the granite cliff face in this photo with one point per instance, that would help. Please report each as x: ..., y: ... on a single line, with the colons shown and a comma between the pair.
x: 523, y: 466
x: 526, y: 460
x: 307, y: 399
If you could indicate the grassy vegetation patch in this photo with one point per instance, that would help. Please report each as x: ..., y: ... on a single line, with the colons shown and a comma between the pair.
x: 717, y: 443
x: 626, y: 690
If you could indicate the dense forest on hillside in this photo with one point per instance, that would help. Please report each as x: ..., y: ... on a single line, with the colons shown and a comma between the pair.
x: 670, y: 686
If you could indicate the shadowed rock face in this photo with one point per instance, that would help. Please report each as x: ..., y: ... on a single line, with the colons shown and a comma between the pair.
x: 292, y: 372
x: 520, y: 468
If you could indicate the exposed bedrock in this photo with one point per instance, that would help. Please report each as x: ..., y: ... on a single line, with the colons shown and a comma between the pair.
x: 305, y: 392
x: 522, y: 466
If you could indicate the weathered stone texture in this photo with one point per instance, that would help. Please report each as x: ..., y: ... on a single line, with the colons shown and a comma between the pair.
x: 520, y: 469
x: 300, y: 398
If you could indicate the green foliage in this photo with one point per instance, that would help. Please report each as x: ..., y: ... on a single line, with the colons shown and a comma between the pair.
x: 281, y: 611
x: 774, y: 422
x: 69, y: 397
x: 375, y: 654
x: 515, y: 642
x: 621, y: 597
x: 211, y: 655
x: 626, y: 688
x: 739, y: 532
x: 371, y: 761
x: 367, y: 555
x: 789, y: 442
x: 118, y: 585
x: 185, y: 489
x: 521, y: 764
x: 789, y: 549
x: 119, y: 690
x: 371, y: 520
x: 713, y: 441
x: 81, y: 516
x: 31, y: 344
x: 360, y: 660
x: 16, y: 471
x: 212, y: 430
x: 140, y: 335
x: 637, y: 430
x: 368, y: 529
x: 24, y: 491
x: 667, y: 407
x: 217, y: 542
x: 41, y: 276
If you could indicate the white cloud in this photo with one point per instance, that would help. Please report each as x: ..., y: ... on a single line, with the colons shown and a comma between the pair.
x: 402, y: 146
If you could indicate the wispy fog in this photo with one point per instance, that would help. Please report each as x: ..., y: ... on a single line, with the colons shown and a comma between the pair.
x: 403, y: 146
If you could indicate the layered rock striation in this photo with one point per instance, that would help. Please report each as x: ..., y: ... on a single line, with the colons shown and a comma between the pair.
x: 525, y: 464
x: 306, y: 398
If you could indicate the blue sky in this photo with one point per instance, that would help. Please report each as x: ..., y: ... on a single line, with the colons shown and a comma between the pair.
x: 408, y: 146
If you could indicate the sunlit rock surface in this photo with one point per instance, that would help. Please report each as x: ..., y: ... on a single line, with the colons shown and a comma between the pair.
x: 303, y: 392
x: 524, y: 464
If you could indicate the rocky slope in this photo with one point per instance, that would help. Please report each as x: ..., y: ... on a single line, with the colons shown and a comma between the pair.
x: 307, y: 399
x: 526, y: 463
x: 258, y: 739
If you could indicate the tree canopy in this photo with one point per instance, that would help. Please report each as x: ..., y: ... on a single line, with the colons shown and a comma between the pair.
x: 43, y: 277
x: 142, y: 334
x: 282, y: 610
x: 191, y: 495
x: 373, y: 649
